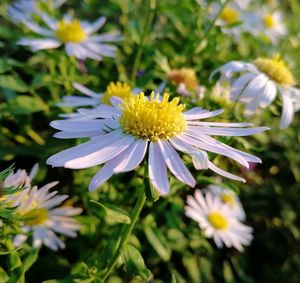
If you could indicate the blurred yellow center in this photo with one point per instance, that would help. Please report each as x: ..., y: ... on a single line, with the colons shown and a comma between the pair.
x: 151, y: 119
x: 70, y: 31
x: 36, y: 216
x: 218, y: 221
x: 119, y: 89
x: 186, y: 76
x: 269, y: 21
x: 229, y: 15
x: 276, y: 70
x: 226, y: 198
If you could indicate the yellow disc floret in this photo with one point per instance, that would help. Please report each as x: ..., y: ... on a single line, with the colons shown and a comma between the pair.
x: 71, y: 32
x: 36, y: 216
x: 229, y: 199
x: 229, y: 15
x: 119, y: 89
x: 186, y: 76
x: 276, y: 70
x: 218, y: 221
x: 269, y: 21
x: 152, y: 119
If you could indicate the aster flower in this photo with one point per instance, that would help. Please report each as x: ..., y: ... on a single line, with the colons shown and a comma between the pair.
x: 77, y: 36
x: 230, y: 198
x: 217, y: 221
x: 22, y: 10
x: 114, y: 89
x: 41, y: 217
x: 20, y: 178
x: 256, y: 85
x: 233, y: 19
x: 268, y: 23
x: 121, y: 136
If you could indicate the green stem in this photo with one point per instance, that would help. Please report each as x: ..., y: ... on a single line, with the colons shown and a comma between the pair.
x: 134, y: 217
x: 212, y: 23
x: 139, y: 53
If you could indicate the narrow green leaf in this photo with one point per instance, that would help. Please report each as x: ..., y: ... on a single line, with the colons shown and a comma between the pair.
x: 134, y: 262
x: 115, y: 213
x: 13, y: 82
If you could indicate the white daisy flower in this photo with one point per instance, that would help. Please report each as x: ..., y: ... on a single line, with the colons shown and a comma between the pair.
x: 41, y: 217
x: 77, y: 36
x: 230, y: 198
x: 217, y: 221
x: 231, y: 14
x: 22, y: 10
x: 20, y: 178
x: 256, y: 85
x: 120, y: 137
x: 270, y: 24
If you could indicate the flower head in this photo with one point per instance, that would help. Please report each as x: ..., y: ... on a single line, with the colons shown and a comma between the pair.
x: 256, y: 85
x: 217, y: 221
x: 41, y: 216
x: 77, y: 36
x: 230, y: 198
x: 121, y: 135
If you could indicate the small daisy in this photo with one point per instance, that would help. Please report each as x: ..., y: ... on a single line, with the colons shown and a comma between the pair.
x: 121, y: 135
x: 41, y: 217
x: 118, y: 89
x: 270, y: 24
x: 22, y: 10
x: 256, y: 85
x: 232, y: 14
x: 77, y: 36
x: 217, y: 221
x: 20, y: 178
x: 230, y: 198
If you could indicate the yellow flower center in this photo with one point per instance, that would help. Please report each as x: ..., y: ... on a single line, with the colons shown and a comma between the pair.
x: 276, y: 70
x: 218, y: 221
x: 186, y: 76
x: 226, y: 198
x: 122, y: 90
x: 70, y: 31
x: 229, y: 15
x: 152, y: 119
x: 36, y: 216
x: 269, y: 21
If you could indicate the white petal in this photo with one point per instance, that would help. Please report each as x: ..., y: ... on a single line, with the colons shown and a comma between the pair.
x: 38, y: 44
x: 85, y: 90
x: 76, y: 101
x: 175, y: 163
x: 287, y: 114
x: 201, y: 114
x: 77, y: 126
x: 110, y: 36
x: 158, y: 170
x: 73, y: 135
x: 101, y: 111
x: 221, y: 172
x: 239, y: 84
x: 38, y: 29
x: 96, y: 25
x: 133, y: 156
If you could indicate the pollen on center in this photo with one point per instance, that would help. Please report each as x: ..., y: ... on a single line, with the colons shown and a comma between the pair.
x: 152, y: 118
x: 118, y: 89
x: 70, y: 31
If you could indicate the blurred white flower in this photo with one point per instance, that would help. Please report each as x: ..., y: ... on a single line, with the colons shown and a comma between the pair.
x: 20, y: 178
x: 268, y: 23
x: 217, y: 221
x: 121, y: 134
x: 77, y: 36
x: 233, y: 20
x: 22, y: 10
x: 256, y: 85
x: 41, y: 217
x: 230, y: 198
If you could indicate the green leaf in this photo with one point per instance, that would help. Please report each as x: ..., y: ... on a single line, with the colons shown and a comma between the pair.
x: 134, y: 262
x: 30, y: 259
x: 115, y: 213
x: 13, y: 82
x: 157, y: 244
x: 3, y: 275
x: 25, y: 105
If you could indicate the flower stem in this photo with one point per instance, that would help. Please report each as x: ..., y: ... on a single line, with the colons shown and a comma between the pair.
x: 127, y: 231
x: 139, y: 53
